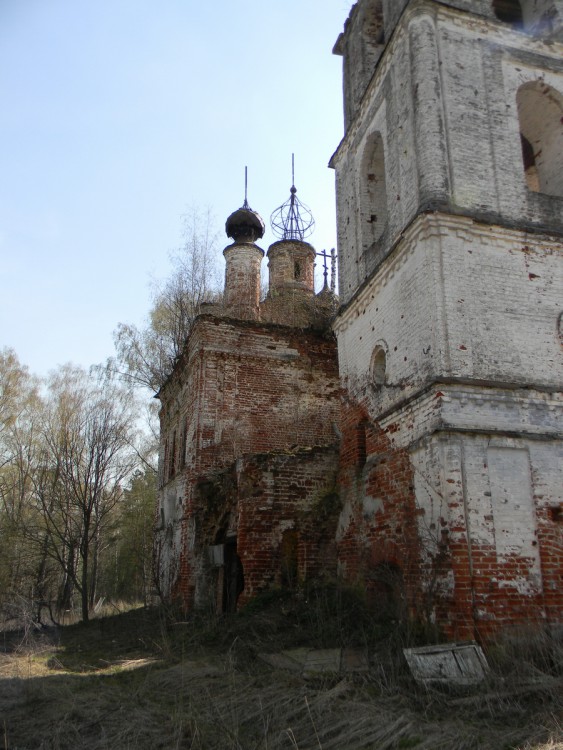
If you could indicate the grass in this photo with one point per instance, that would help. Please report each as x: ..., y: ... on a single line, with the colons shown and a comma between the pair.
x: 149, y: 679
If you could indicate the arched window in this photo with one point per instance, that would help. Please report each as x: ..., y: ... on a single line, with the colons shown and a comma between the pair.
x: 508, y: 11
x: 540, y: 114
x: 530, y: 169
x: 378, y: 366
x: 373, y: 191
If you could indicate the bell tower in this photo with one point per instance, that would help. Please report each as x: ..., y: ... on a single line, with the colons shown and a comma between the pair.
x: 449, y: 184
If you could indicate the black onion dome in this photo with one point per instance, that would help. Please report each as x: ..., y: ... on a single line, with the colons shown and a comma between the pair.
x: 245, y: 225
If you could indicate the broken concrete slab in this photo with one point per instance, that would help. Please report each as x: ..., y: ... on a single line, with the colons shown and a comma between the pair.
x: 322, y: 662
x: 315, y: 662
x: 282, y: 661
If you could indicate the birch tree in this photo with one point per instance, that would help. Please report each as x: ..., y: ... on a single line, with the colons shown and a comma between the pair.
x: 146, y: 356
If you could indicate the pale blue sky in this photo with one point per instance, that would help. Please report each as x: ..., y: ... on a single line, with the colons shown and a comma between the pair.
x: 116, y: 116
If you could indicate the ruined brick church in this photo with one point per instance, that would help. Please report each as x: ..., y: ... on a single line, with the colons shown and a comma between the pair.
x: 406, y: 437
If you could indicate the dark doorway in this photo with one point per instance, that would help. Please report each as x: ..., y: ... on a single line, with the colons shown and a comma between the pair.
x: 386, y: 591
x: 233, y: 575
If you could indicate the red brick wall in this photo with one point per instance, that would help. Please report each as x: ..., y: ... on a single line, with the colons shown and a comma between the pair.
x: 550, y: 541
x: 246, y: 388
x: 278, y: 493
x: 242, y: 388
x: 379, y: 526
x: 461, y: 579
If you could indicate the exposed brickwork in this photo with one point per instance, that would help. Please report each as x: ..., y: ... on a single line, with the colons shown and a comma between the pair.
x: 284, y: 493
x: 243, y: 388
x: 378, y: 523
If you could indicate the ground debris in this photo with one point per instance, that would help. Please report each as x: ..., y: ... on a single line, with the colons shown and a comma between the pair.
x: 92, y: 691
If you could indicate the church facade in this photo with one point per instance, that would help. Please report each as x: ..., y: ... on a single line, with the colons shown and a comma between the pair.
x: 426, y: 438
x: 249, y: 447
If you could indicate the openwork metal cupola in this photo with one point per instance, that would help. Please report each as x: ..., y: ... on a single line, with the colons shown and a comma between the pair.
x: 293, y: 220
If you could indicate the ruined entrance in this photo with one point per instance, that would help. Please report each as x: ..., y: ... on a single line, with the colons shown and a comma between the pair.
x: 231, y: 578
x: 386, y: 591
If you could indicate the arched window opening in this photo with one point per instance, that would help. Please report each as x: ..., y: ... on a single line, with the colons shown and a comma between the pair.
x: 540, y: 115
x: 378, y: 366
x: 297, y: 271
x: 530, y: 169
x: 508, y: 11
x: 373, y: 191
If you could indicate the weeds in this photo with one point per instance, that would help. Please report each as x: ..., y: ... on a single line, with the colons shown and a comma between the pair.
x: 159, y: 680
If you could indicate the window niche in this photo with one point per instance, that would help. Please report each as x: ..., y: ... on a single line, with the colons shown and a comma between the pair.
x: 373, y: 191
x: 172, y: 471
x: 540, y: 115
x: 378, y: 367
x: 184, y: 445
x: 530, y: 169
x: 509, y: 11
x: 163, y: 468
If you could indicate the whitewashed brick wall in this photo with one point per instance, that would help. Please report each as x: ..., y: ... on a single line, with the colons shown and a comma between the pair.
x: 443, y: 98
x: 457, y: 299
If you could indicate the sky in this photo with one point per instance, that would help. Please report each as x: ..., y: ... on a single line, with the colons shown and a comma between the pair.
x: 117, y: 118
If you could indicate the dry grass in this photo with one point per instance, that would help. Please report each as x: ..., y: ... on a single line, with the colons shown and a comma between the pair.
x: 139, y: 681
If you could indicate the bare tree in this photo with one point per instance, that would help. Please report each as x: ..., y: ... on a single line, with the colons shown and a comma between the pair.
x: 87, y: 458
x: 68, y: 452
x: 147, y: 356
